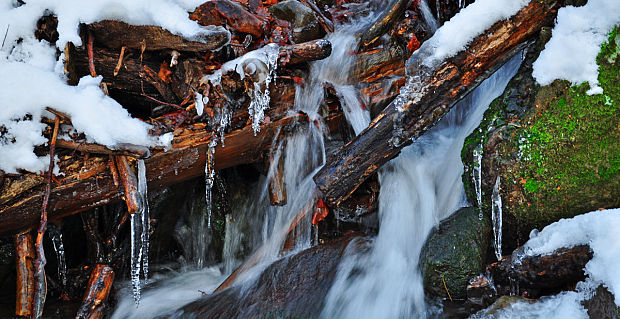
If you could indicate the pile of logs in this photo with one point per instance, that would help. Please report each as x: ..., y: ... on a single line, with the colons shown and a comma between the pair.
x: 156, y: 76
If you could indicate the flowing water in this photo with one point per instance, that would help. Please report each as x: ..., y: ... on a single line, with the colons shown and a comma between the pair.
x: 418, y: 189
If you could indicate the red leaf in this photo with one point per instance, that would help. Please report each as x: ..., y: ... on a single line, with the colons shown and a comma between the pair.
x: 320, y: 212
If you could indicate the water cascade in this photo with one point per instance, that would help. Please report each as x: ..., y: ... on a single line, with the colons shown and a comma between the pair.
x: 419, y: 188
x: 55, y: 234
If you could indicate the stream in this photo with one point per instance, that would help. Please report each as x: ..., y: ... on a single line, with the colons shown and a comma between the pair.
x: 418, y: 189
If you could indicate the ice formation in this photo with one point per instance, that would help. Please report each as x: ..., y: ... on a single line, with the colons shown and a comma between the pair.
x: 496, y: 218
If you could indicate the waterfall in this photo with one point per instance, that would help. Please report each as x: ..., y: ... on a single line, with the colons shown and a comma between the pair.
x: 418, y: 189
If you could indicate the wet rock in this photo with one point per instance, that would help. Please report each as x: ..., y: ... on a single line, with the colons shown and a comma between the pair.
x: 602, y: 304
x: 504, y: 302
x: 481, y: 291
x: 555, y: 148
x: 293, y: 287
x: 306, y: 27
x: 454, y: 252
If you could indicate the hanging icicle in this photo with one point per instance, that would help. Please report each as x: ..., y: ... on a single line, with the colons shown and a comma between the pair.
x: 478, y: 177
x: 496, y: 217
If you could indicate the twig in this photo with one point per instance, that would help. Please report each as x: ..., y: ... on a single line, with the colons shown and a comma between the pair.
x: 91, y: 55
x: 38, y: 299
x: 119, y: 64
x: 5, y: 34
x: 446, y: 287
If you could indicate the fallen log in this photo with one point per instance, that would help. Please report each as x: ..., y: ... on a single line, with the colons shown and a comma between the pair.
x: 89, y: 184
x: 540, y: 275
x: 24, y: 249
x: 99, y: 286
x: 117, y: 34
x: 123, y: 149
x: 225, y: 12
x: 383, y: 23
x: 130, y: 184
x: 446, y: 84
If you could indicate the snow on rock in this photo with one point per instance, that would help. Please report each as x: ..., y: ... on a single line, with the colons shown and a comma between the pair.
x: 599, y: 230
x: 575, y: 43
x: 32, y: 74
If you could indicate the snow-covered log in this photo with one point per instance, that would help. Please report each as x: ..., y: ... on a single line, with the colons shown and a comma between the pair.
x: 448, y: 81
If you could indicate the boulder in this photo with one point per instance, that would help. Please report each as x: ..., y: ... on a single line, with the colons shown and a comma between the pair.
x: 292, y: 287
x: 306, y: 27
x: 555, y: 149
x: 454, y: 252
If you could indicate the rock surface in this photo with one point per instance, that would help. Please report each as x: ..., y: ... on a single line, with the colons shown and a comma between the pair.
x: 306, y: 27
x: 292, y: 287
x: 555, y: 149
x: 454, y: 252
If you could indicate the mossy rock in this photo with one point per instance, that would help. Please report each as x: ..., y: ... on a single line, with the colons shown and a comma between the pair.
x: 555, y: 148
x: 454, y: 252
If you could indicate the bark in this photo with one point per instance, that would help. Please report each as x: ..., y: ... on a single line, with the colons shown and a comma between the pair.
x: 446, y: 84
x: 116, y: 34
x: 89, y: 184
x: 125, y: 149
x: 225, y: 12
x: 24, y: 248
x: 541, y: 275
x: 97, y: 291
x: 383, y: 23
x: 305, y: 52
x: 130, y: 184
x: 277, y: 188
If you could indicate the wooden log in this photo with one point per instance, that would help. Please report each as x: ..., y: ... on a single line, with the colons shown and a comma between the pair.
x: 540, y: 275
x: 225, y: 12
x: 277, y: 188
x: 447, y: 83
x: 24, y: 249
x: 97, y: 292
x: 117, y: 34
x: 374, y: 65
x: 305, y: 52
x: 383, y: 23
x: 130, y: 184
x: 136, y: 151
x: 89, y: 184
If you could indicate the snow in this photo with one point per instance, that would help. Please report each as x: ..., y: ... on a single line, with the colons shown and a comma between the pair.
x: 454, y: 35
x: 36, y: 76
x: 575, y: 43
x: 599, y: 230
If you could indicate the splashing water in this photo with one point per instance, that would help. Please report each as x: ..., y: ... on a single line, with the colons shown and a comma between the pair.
x: 420, y: 187
x: 477, y: 177
x: 496, y: 218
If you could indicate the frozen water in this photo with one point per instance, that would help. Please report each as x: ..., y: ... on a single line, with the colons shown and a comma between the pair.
x: 496, y: 218
x: 477, y: 177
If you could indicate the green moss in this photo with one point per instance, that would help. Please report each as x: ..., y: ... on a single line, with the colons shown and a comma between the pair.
x: 556, y: 149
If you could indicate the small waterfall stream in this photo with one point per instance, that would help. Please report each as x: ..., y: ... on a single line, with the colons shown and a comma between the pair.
x: 418, y: 189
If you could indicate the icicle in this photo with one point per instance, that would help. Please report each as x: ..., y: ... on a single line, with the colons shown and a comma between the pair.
x: 136, y: 255
x: 56, y: 236
x: 209, y: 178
x: 496, y: 217
x: 144, y: 212
x: 478, y: 177
x: 263, y: 73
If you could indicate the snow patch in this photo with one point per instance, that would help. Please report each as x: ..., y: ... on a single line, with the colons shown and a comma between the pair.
x: 36, y: 80
x: 575, y: 43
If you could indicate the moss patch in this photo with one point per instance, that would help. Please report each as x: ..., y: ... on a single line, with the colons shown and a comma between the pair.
x: 556, y: 149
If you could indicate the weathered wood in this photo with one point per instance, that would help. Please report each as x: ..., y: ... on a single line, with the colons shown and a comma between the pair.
x: 123, y: 149
x: 90, y: 183
x: 305, y: 52
x: 225, y: 12
x: 130, y: 184
x: 374, y: 65
x: 383, y: 23
x: 24, y: 249
x: 277, y: 188
x: 446, y: 84
x: 97, y: 292
x: 116, y: 34
x: 540, y: 275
